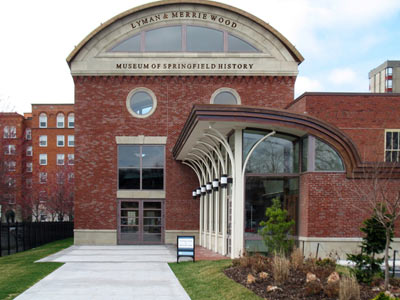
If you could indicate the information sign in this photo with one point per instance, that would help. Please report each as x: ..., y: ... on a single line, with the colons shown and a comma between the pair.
x: 185, y: 246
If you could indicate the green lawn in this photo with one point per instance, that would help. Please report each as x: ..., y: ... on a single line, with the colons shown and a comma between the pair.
x: 206, y: 280
x: 18, y: 272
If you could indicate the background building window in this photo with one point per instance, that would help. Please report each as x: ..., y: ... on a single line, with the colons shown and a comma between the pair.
x: 43, y: 141
x: 60, y: 159
x: 71, y: 159
x: 60, y: 120
x: 29, y: 167
x: 141, y: 167
x: 10, y: 150
x: 10, y: 132
x: 28, y: 134
x: 43, y: 159
x: 71, y: 177
x: 10, y: 166
x: 60, y: 141
x: 42, y: 120
x: 71, y: 120
x: 29, y: 151
x: 71, y: 141
x: 42, y: 177
x: 392, y: 145
x: 29, y: 183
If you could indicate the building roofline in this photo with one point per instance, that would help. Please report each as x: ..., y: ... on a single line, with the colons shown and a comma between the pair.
x: 52, y: 103
x: 342, y: 94
x: 290, y: 47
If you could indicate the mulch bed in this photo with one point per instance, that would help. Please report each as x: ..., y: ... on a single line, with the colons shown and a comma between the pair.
x: 295, y: 286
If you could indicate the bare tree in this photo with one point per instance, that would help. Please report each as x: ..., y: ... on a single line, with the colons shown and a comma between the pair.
x: 380, y: 192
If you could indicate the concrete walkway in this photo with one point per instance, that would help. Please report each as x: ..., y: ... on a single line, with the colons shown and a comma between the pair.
x: 110, y: 272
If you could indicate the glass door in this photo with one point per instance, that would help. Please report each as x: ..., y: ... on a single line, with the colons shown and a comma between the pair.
x: 141, y: 222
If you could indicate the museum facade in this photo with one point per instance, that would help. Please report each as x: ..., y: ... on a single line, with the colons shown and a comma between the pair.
x: 185, y: 124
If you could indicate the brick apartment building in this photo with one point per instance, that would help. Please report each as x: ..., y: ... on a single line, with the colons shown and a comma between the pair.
x: 171, y: 99
x: 37, y: 170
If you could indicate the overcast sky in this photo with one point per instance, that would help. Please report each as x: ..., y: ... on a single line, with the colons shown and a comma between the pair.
x: 341, y: 41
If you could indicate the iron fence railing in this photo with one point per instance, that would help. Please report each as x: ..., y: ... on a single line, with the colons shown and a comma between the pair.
x: 21, y: 236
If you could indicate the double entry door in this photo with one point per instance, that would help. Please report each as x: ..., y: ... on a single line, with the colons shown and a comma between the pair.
x: 140, y: 222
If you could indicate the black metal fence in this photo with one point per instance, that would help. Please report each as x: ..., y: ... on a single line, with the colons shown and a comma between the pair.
x: 17, y: 237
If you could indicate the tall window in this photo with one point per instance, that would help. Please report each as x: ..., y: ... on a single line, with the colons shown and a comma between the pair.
x: 71, y: 141
x: 28, y: 134
x: 60, y: 141
x: 29, y: 167
x: 60, y: 120
x: 392, y: 145
x: 60, y: 159
x: 71, y: 159
x: 140, y: 167
x: 42, y: 177
x: 29, y: 151
x: 71, y: 120
x: 43, y: 159
x: 43, y: 141
x: 42, y: 120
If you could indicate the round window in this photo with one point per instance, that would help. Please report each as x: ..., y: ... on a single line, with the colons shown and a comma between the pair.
x: 141, y: 102
x: 225, y: 96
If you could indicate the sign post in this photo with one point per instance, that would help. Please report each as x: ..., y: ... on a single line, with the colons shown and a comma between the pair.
x: 185, y: 246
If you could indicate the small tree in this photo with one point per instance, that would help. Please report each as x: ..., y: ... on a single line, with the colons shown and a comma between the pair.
x: 277, y: 228
x: 366, y: 264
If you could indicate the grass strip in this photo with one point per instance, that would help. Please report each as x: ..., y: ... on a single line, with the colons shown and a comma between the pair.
x: 19, y: 271
x: 206, y: 280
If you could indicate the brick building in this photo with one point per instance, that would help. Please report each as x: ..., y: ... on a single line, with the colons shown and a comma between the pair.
x: 37, y: 174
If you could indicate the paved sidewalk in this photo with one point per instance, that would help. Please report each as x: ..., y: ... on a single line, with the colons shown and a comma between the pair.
x: 110, y: 272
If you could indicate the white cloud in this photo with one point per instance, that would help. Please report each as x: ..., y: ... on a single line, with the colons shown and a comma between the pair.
x: 307, y: 84
x: 342, y: 76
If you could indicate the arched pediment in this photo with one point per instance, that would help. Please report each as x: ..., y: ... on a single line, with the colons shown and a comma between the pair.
x: 185, y: 37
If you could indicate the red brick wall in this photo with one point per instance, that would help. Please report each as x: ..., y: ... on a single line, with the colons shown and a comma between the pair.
x: 331, y: 204
x: 101, y: 114
x: 363, y: 117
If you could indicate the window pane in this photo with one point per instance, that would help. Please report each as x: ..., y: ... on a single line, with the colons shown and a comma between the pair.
x: 132, y: 44
x: 152, y: 179
x: 238, y: 45
x: 388, y: 156
x: 273, y: 155
x: 129, y: 156
x: 154, y: 205
x: 141, y: 103
x: 129, y: 205
x: 152, y: 213
x: 166, y: 39
x: 201, y: 39
x: 152, y: 221
x: 395, y: 156
x: 304, y: 160
x: 326, y: 159
x: 129, y: 179
x: 153, y: 156
x: 388, y: 140
x: 225, y: 98
x: 395, y: 140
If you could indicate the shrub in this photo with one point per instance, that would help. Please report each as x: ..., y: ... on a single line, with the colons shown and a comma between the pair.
x: 277, y: 228
x: 349, y: 289
x: 366, y: 265
x: 280, y: 268
x: 297, y: 259
x: 383, y: 296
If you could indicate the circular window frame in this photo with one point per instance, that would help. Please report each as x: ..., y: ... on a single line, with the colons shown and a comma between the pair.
x: 141, y: 89
x: 225, y: 89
